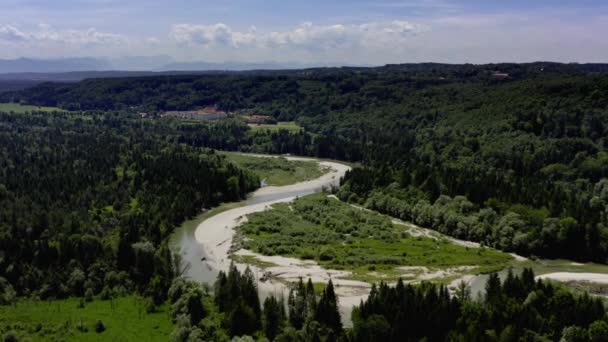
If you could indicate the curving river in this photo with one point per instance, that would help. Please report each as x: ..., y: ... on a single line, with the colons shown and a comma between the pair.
x: 205, y: 245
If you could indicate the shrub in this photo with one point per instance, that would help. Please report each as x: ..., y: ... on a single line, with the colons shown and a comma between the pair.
x: 99, y: 327
x: 105, y: 293
x: 88, y: 295
x: 327, y: 254
x: 82, y: 327
x: 307, y: 254
x: 10, y: 336
x: 149, y: 305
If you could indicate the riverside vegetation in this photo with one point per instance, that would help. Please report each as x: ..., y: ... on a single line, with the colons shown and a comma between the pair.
x: 277, y: 171
x: 339, y: 236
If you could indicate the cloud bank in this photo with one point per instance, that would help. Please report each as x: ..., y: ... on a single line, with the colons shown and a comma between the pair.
x: 46, y: 34
x: 307, y: 35
x: 453, y: 38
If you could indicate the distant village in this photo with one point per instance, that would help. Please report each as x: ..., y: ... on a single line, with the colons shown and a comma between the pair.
x: 211, y: 113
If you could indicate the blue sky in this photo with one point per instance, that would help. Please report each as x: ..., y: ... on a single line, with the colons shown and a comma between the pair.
x: 313, y: 31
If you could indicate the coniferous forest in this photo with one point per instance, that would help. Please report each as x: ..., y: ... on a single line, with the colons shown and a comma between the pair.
x: 88, y: 198
x: 518, y: 163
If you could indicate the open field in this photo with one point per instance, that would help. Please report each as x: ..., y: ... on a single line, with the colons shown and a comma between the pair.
x: 291, y: 126
x: 277, y: 171
x: 18, y: 108
x: 341, y: 237
x: 125, y: 319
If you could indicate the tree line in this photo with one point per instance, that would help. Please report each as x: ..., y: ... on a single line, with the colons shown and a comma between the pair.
x: 516, y: 308
x: 528, y: 151
x: 87, y: 202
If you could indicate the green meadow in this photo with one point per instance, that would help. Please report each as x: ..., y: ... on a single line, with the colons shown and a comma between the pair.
x: 19, y: 108
x: 277, y: 170
x: 338, y: 236
x: 291, y: 126
x: 125, y: 319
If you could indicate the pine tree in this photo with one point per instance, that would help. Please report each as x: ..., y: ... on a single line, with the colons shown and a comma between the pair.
x: 493, y: 288
x: 273, y: 317
x: 327, y: 309
x: 298, y: 305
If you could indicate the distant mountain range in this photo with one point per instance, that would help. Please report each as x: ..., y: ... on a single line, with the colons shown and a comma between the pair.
x: 137, y: 63
x: 52, y: 65
x: 22, y: 73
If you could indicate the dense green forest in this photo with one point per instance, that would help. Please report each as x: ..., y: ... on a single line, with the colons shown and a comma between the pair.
x: 518, y: 163
x: 87, y: 202
x: 88, y: 198
x: 518, y: 308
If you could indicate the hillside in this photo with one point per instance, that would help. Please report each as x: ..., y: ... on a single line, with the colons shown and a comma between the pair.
x: 513, y: 156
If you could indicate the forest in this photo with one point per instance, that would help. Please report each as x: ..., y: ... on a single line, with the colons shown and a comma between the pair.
x: 89, y: 197
x: 87, y: 203
x: 522, y: 158
x: 516, y: 308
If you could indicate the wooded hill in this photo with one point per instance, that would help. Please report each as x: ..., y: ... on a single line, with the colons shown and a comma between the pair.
x: 87, y: 203
x: 510, y: 155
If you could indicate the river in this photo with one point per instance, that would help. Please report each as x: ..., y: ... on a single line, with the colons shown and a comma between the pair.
x: 205, y: 242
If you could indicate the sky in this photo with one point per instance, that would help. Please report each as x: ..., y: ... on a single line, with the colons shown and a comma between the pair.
x: 309, y: 31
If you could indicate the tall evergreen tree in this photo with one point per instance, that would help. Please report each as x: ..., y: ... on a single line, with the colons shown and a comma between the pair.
x: 327, y: 312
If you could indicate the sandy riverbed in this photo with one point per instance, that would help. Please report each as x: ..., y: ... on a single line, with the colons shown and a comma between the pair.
x: 598, y: 278
x: 216, y: 233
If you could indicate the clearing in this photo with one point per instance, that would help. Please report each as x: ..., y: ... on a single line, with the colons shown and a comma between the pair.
x: 19, y: 108
x: 277, y: 170
x: 125, y: 319
x: 290, y: 126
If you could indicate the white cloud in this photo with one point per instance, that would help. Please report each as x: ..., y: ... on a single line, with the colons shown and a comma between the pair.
x: 307, y: 36
x: 46, y: 34
x: 11, y: 33
x: 206, y: 35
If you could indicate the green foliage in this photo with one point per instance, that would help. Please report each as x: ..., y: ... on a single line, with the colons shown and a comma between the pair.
x: 277, y: 171
x: 287, y: 125
x: 92, y: 202
x: 124, y: 319
x: 20, y: 108
x: 531, y: 145
x: 99, y: 327
x: 339, y: 236
x: 236, y: 295
x: 274, y: 317
x: 598, y: 331
x: 516, y: 309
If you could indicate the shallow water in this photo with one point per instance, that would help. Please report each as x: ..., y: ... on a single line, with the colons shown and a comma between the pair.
x: 193, y: 254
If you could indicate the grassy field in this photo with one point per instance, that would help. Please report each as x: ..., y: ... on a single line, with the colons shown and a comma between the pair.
x: 18, y: 108
x: 339, y: 236
x: 59, y: 320
x: 277, y: 171
x: 288, y: 125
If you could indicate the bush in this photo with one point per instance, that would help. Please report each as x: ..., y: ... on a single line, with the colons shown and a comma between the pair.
x: 82, y: 327
x: 105, y: 293
x: 88, y: 295
x: 327, y: 254
x: 307, y: 254
x: 149, y: 305
x: 10, y: 336
x: 99, y: 327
